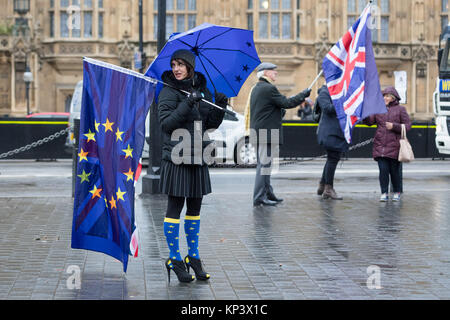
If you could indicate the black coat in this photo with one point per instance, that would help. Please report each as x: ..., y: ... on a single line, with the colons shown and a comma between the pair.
x: 329, y: 132
x: 267, y: 108
x: 305, y: 113
x: 175, y: 113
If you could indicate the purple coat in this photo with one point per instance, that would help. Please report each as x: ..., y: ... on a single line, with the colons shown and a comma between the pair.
x: 386, y: 142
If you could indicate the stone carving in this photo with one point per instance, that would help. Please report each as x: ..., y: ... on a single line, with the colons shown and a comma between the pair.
x: 275, y: 49
x: 126, y: 51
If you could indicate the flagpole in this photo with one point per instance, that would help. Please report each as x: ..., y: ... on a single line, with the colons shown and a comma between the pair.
x: 315, y: 80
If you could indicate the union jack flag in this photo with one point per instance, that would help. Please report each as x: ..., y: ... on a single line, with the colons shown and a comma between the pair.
x: 352, y: 78
x: 115, y: 103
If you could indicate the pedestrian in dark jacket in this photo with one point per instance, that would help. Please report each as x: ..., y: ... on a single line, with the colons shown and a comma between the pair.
x: 184, y: 172
x: 305, y: 110
x: 386, y: 143
x: 267, y: 108
x: 331, y: 137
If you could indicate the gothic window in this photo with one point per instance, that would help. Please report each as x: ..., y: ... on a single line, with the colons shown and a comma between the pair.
x: 180, y: 16
x: 76, y: 18
x: 381, y: 32
x: 272, y: 19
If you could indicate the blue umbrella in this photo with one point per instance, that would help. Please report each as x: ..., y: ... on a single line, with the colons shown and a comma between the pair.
x: 225, y: 56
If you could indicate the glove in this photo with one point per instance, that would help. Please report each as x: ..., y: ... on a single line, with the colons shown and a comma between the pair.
x: 306, y: 93
x: 194, y: 97
x: 221, y: 99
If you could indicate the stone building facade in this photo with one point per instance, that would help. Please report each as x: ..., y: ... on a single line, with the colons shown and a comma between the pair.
x: 53, y: 37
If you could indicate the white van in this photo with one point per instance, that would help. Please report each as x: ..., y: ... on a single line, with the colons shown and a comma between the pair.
x: 75, y: 109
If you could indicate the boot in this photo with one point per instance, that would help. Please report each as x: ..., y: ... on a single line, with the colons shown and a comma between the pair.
x: 180, y: 270
x: 196, y: 265
x: 320, y: 189
x: 329, y: 193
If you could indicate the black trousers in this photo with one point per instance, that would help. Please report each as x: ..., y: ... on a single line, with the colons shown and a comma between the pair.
x: 175, y: 206
x: 262, y: 188
x: 329, y: 169
x: 389, y: 168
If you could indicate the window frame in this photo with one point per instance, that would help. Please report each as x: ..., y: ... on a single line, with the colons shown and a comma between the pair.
x: 175, y: 13
x: 255, y: 12
x: 378, y: 31
x: 55, y: 31
x: 444, y: 15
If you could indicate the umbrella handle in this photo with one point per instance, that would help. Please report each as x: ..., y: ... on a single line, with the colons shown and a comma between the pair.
x: 231, y: 113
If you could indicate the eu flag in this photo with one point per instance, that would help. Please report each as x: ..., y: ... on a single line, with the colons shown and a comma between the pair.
x: 115, y: 103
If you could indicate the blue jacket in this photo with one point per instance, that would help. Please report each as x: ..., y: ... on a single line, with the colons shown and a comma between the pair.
x: 329, y: 132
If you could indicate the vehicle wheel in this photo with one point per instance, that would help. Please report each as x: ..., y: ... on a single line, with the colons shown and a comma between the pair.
x: 245, y: 152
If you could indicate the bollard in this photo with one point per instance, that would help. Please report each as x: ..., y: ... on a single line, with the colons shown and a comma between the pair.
x: 76, y: 133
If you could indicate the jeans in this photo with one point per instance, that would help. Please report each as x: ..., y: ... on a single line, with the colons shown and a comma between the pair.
x: 329, y: 169
x: 389, y: 168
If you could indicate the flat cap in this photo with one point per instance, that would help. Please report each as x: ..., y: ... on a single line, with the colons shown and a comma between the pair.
x: 266, y: 66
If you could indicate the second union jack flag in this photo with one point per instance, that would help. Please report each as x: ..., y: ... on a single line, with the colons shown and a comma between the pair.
x: 352, y: 77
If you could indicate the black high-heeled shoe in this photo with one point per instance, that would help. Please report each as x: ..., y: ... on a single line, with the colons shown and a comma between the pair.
x: 180, y: 270
x: 196, y: 265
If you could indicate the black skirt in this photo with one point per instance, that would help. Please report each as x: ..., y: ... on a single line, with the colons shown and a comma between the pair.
x: 189, y: 181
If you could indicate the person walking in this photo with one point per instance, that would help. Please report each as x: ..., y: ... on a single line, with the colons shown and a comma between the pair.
x: 184, y: 172
x: 331, y: 137
x: 386, y: 143
x: 267, y: 108
x: 305, y: 111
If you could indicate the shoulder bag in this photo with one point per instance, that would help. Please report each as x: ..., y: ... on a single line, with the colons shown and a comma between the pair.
x: 406, y: 153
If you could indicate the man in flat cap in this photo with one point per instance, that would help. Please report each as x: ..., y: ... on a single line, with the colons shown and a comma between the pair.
x: 267, y: 108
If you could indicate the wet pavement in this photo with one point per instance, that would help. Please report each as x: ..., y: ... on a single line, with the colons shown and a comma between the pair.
x: 304, y: 248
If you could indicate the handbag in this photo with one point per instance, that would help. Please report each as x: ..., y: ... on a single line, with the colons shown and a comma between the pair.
x: 405, y: 153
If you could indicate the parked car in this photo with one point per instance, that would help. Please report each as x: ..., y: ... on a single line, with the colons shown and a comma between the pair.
x: 232, y: 144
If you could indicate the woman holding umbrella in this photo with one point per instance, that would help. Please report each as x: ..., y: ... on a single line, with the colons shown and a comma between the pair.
x: 184, y: 173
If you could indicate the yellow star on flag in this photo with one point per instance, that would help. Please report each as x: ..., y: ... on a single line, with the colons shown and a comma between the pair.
x: 84, y: 176
x: 120, y: 194
x: 119, y: 135
x: 106, y: 202
x: 112, y: 202
x: 108, y: 125
x: 95, y: 192
x: 96, y: 125
x: 83, y: 155
x: 90, y: 135
x: 128, y: 151
x: 129, y: 174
